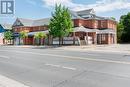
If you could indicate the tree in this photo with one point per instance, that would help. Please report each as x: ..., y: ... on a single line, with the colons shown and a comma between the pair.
x: 23, y: 35
x: 124, y: 28
x: 126, y: 24
x: 8, y: 35
x: 120, y: 29
x: 113, y: 18
x: 60, y: 23
x: 40, y: 36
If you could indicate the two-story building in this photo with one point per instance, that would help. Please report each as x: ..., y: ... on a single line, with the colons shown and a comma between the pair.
x: 88, y: 28
x: 94, y: 29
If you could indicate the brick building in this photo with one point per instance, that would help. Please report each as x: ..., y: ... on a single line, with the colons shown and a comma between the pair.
x: 31, y: 27
x: 100, y: 30
x: 88, y: 28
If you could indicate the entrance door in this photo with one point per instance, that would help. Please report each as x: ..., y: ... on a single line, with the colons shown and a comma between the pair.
x: 82, y: 35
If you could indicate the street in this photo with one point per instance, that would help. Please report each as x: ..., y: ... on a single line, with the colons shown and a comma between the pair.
x: 50, y: 67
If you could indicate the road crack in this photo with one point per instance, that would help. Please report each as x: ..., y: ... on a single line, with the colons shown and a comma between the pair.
x: 67, y: 80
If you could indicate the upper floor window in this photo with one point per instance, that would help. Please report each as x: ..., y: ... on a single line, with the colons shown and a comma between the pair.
x: 103, y: 24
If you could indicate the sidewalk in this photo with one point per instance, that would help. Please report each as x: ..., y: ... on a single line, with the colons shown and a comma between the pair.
x: 6, y: 82
x: 119, y: 48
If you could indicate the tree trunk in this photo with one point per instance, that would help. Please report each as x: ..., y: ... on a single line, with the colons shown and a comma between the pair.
x: 3, y: 41
x: 59, y: 41
x: 24, y: 40
x: 62, y: 41
x: 19, y: 42
x: 13, y: 41
x: 48, y: 40
x: 41, y: 41
x: 10, y: 42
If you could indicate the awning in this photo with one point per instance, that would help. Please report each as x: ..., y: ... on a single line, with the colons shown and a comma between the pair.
x: 33, y: 33
x: 105, y: 31
x: 83, y: 29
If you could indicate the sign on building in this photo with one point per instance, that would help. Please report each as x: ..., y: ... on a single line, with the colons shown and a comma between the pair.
x: 7, y: 8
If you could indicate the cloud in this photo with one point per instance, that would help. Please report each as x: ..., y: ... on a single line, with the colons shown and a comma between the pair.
x: 32, y: 2
x: 51, y: 3
x: 99, y: 6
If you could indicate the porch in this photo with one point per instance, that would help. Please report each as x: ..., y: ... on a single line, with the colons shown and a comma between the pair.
x: 94, y: 36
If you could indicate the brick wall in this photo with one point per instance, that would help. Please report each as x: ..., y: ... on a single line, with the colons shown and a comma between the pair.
x: 100, y: 24
x: 29, y: 29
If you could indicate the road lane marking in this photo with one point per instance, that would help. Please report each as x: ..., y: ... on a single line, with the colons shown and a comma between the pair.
x: 74, y: 57
x: 69, y: 68
x: 52, y: 65
x: 59, y: 66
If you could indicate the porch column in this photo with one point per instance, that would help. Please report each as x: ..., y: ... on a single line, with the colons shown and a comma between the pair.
x: 33, y: 41
x: 109, y: 38
x: 73, y: 38
x: 112, y: 40
x: 19, y: 41
x: 100, y: 36
x: 95, y: 38
x: 87, y: 37
x: 115, y: 38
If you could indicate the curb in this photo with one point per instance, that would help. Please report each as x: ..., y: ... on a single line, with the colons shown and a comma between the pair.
x: 6, y: 82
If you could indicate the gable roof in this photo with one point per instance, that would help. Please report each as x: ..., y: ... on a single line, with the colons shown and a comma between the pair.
x: 7, y: 26
x: 40, y: 22
x: 30, y: 22
x: 86, y: 12
x: 26, y: 22
x: 74, y: 15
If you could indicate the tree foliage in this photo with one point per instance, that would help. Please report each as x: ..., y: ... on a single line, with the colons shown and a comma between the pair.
x: 124, y: 28
x: 23, y: 34
x: 39, y: 35
x: 8, y: 35
x: 120, y: 29
x: 61, y: 22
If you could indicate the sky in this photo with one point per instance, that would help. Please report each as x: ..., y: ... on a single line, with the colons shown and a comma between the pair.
x: 37, y: 9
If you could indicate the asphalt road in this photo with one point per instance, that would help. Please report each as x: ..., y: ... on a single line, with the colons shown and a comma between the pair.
x: 39, y: 67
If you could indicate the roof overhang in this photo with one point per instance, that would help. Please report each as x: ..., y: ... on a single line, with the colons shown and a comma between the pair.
x: 33, y: 33
x: 87, y: 30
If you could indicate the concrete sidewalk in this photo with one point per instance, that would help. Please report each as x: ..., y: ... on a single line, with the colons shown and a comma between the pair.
x: 6, y: 82
x: 120, y: 48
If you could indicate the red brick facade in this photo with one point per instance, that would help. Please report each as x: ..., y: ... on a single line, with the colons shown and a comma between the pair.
x: 29, y: 29
x: 99, y: 24
x: 102, y: 38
